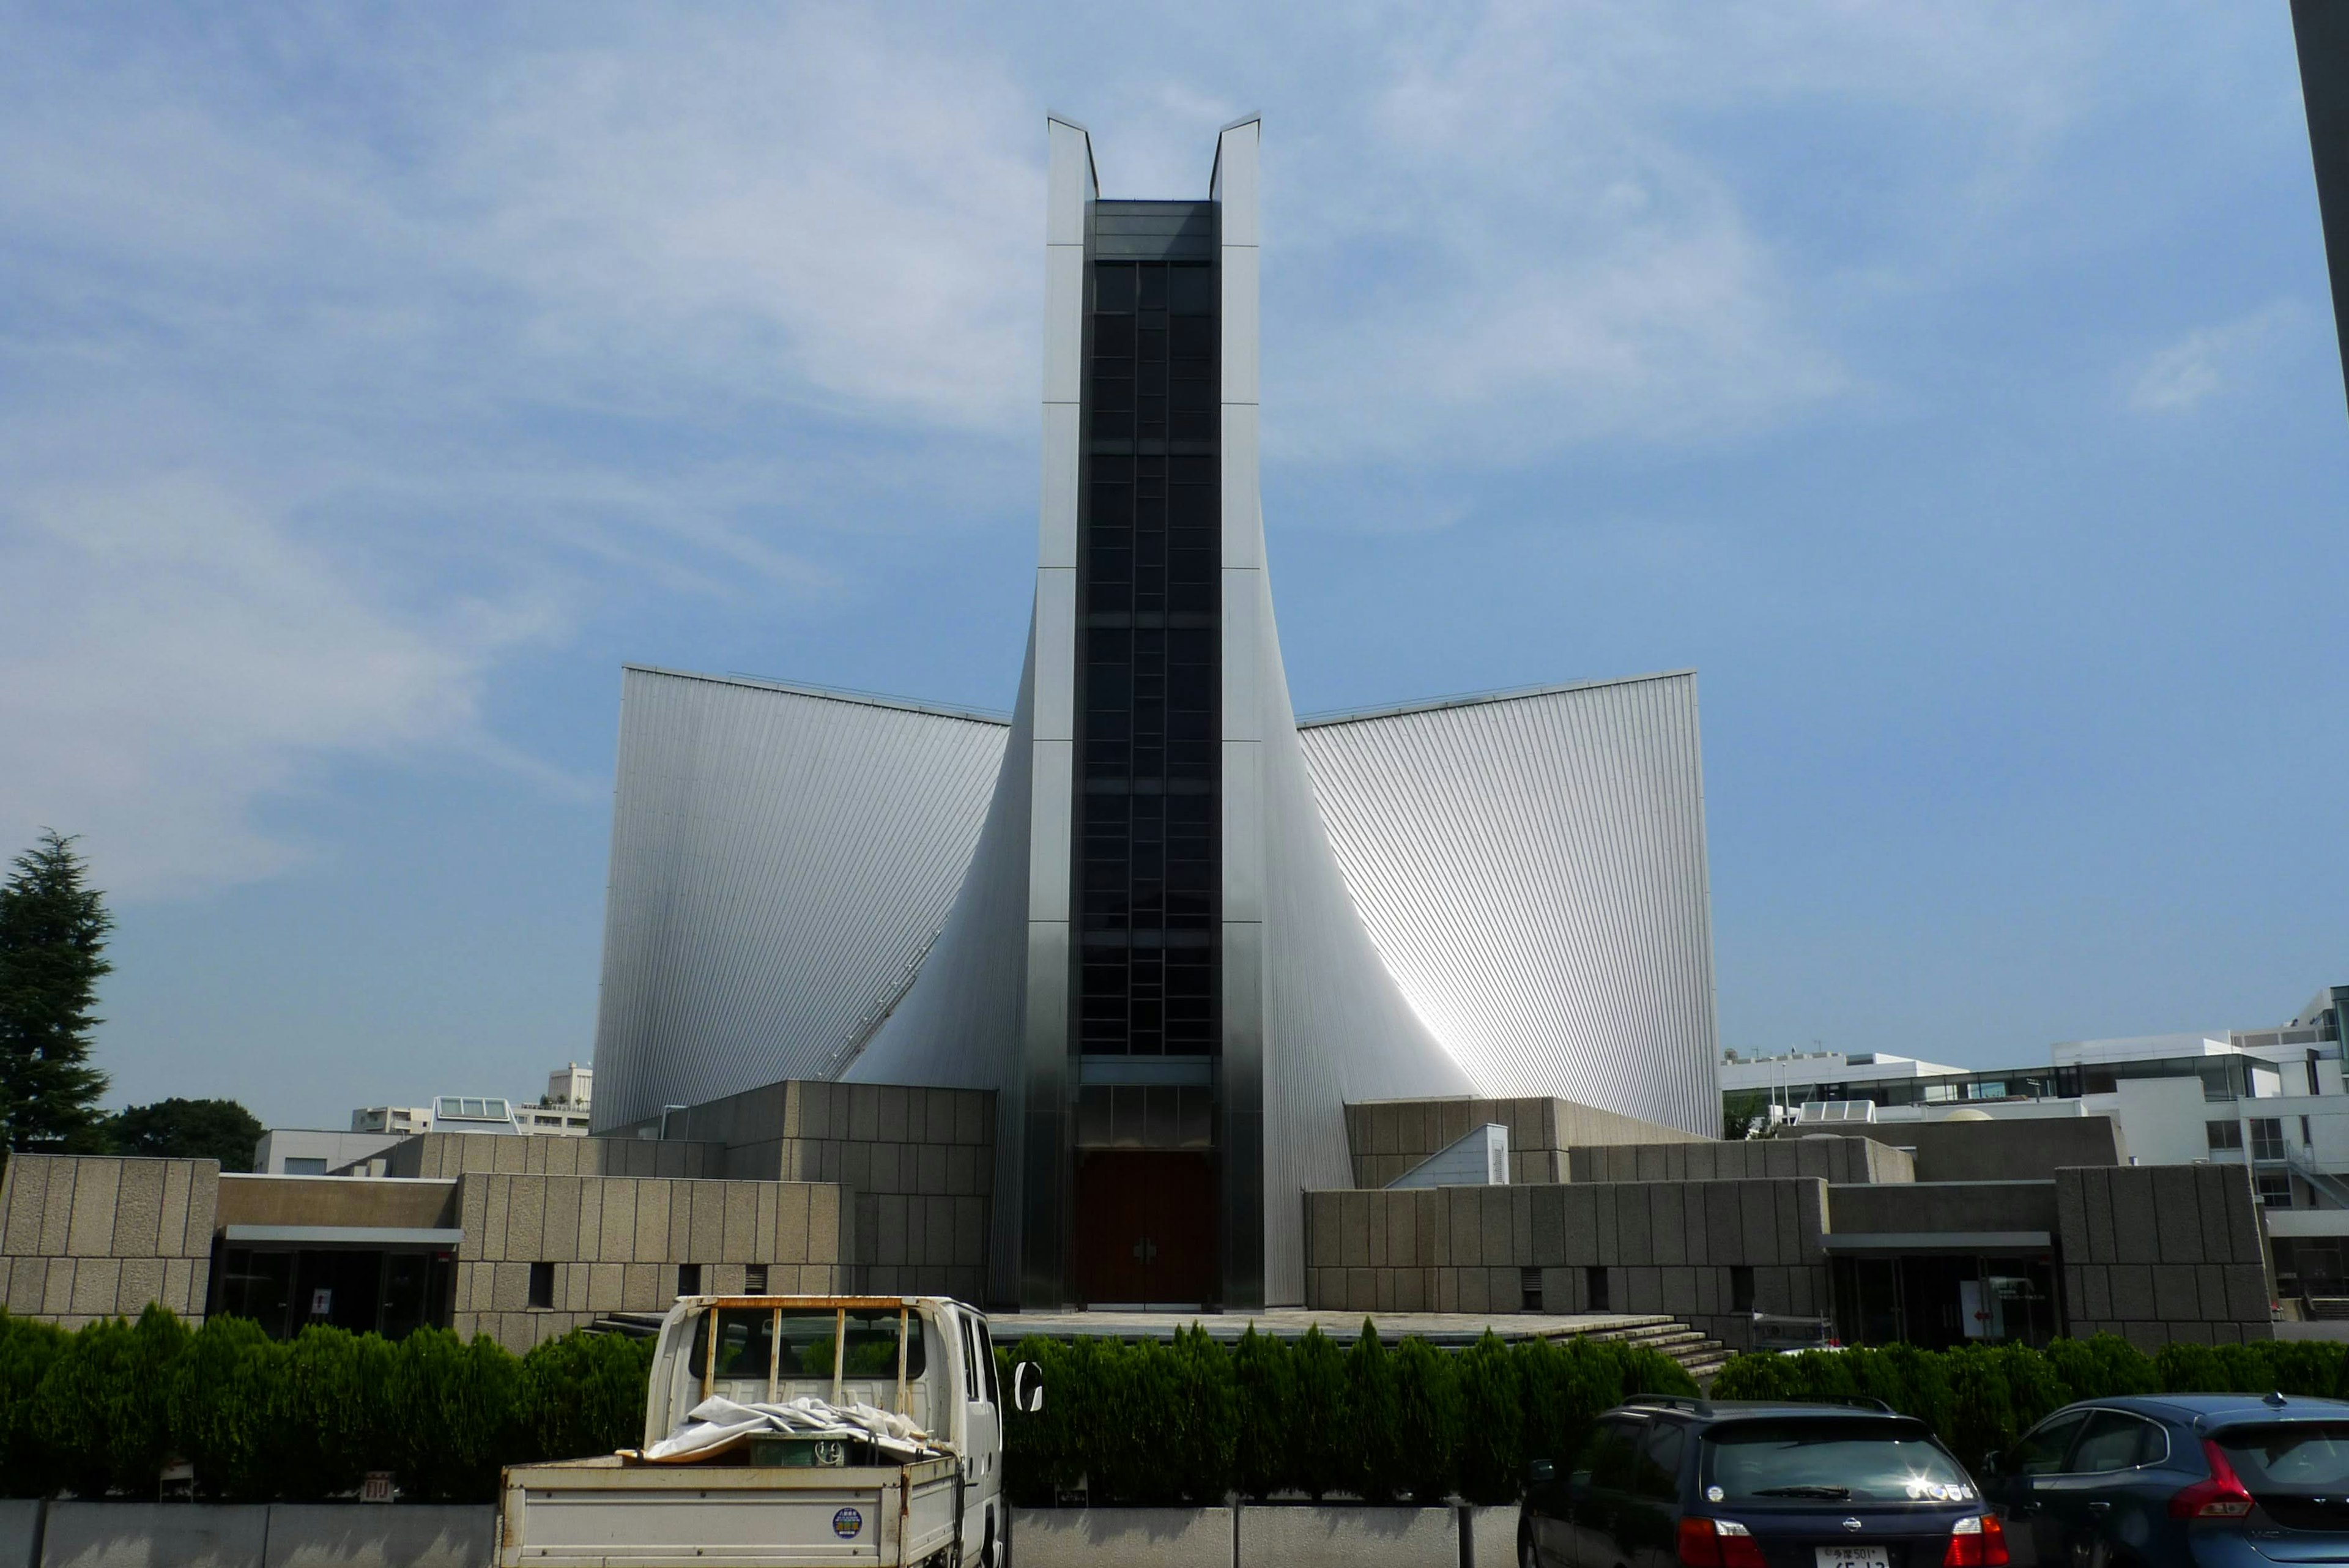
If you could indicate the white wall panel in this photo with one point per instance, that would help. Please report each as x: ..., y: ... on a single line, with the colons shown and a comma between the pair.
x: 780, y: 860
x: 1533, y: 870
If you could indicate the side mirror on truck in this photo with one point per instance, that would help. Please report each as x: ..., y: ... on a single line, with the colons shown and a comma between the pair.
x: 1028, y: 1387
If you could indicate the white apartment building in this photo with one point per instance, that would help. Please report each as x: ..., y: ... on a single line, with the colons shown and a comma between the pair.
x: 2272, y: 1099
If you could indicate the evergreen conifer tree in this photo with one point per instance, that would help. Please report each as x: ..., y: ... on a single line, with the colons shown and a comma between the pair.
x: 53, y: 932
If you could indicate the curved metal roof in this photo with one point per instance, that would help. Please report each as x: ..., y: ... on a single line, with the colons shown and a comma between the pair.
x: 1532, y: 868
x: 781, y: 858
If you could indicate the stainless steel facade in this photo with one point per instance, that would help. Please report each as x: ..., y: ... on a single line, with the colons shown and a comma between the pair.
x: 781, y: 858
x: 1532, y: 866
x: 1502, y: 897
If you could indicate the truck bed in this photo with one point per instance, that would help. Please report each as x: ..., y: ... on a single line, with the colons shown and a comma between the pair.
x: 606, y: 1513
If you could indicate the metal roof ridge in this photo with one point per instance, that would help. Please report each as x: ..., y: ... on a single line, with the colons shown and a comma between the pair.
x: 1476, y: 699
x: 834, y: 694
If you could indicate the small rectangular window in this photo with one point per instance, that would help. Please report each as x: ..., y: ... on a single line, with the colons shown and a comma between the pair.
x: 2276, y: 1191
x: 688, y: 1278
x: 2224, y: 1135
x: 2267, y: 1138
x: 305, y: 1165
x: 1594, y: 1286
x: 754, y: 1279
x: 1741, y: 1289
x: 542, y: 1285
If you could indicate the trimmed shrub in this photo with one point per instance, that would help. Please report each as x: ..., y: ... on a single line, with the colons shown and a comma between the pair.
x: 1264, y: 1389
x: 1490, y: 1441
x: 103, y: 1407
x: 1375, y: 1411
x: 1204, y: 1409
x: 221, y: 1391
x: 1427, y: 1421
x: 449, y: 1415
x: 334, y: 1406
x: 1321, y: 1422
x: 584, y: 1393
x: 28, y: 1465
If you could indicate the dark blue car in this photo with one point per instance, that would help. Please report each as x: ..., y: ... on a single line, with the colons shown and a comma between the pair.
x: 2179, y: 1480
x: 1731, y: 1484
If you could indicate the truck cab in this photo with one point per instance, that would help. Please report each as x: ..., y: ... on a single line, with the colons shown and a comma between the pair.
x: 928, y: 1358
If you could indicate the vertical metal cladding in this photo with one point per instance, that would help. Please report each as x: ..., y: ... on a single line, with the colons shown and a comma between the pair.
x: 780, y: 860
x: 1532, y: 868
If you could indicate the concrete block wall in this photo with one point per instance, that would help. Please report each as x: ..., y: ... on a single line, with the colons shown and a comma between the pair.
x: 1835, y: 1157
x: 444, y: 1156
x: 2163, y: 1253
x: 615, y: 1243
x: 920, y: 1161
x: 1388, y: 1137
x: 1668, y: 1247
x: 87, y: 1237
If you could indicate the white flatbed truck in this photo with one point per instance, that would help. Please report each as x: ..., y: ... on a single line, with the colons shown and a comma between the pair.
x: 788, y: 1501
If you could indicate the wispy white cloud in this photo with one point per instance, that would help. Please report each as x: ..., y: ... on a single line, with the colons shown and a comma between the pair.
x: 529, y: 312
x: 2208, y: 360
x: 172, y: 655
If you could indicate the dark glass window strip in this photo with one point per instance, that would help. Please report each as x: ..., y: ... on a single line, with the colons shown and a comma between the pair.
x: 1148, y: 736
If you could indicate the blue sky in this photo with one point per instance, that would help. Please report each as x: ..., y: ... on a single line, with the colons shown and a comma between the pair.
x: 1953, y: 387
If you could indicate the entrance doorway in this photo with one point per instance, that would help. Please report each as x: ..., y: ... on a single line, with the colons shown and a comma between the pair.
x: 1146, y: 1229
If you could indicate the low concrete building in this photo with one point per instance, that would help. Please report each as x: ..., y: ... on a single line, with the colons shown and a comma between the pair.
x: 1985, y: 1230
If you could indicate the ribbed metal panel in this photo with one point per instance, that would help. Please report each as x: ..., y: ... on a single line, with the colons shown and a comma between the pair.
x: 780, y: 860
x: 1532, y: 868
x: 960, y: 1025
x: 1337, y: 1027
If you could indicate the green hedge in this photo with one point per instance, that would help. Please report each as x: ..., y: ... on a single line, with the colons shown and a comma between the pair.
x: 1981, y: 1397
x: 1142, y: 1422
x: 1157, y: 1422
x: 101, y: 1410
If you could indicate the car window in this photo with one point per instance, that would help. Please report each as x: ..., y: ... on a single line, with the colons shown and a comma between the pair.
x: 1833, y: 1461
x: 2294, y: 1456
x: 1613, y: 1455
x: 2113, y: 1441
x: 1658, y: 1475
x: 2040, y: 1451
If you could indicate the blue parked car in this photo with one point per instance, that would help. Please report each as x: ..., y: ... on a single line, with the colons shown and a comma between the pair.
x: 1667, y: 1481
x: 2177, y: 1480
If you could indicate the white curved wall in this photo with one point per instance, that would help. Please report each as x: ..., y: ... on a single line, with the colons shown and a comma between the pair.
x: 1532, y: 869
x: 780, y: 861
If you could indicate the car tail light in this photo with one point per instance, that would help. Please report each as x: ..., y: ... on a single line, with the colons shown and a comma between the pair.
x: 2221, y: 1496
x: 1979, y: 1542
x: 1720, y: 1543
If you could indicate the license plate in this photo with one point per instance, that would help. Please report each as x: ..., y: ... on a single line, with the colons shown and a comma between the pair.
x: 1855, y: 1557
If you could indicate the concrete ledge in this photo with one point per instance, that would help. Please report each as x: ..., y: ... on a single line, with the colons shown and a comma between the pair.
x: 1492, y: 1537
x: 1082, y: 1537
x: 155, y: 1535
x: 355, y: 1535
x: 1316, y: 1537
x: 20, y: 1532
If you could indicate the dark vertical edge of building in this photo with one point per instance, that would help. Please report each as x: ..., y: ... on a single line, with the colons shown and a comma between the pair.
x: 2321, y: 30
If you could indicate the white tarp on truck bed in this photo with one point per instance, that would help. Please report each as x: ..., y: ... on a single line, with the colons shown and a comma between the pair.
x: 715, y: 1425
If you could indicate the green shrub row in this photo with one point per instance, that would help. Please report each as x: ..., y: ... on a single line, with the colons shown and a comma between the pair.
x: 101, y: 1410
x: 1981, y: 1397
x: 1156, y: 1422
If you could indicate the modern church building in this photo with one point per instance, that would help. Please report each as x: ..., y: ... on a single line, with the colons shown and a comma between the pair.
x: 1175, y: 931
x: 1148, y: 994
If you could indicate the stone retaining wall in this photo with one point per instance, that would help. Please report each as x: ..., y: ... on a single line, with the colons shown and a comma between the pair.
x: 354, y: 1535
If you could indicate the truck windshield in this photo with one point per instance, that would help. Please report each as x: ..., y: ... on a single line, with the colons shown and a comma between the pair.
x: 1831, y: 1461
x: 746, y: 1344
x: 2297, y: 1456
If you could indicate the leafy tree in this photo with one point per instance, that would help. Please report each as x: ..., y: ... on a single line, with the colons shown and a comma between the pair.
x: 53, y: 931
x: 1744, y: 1112
x: 187, y: 1129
